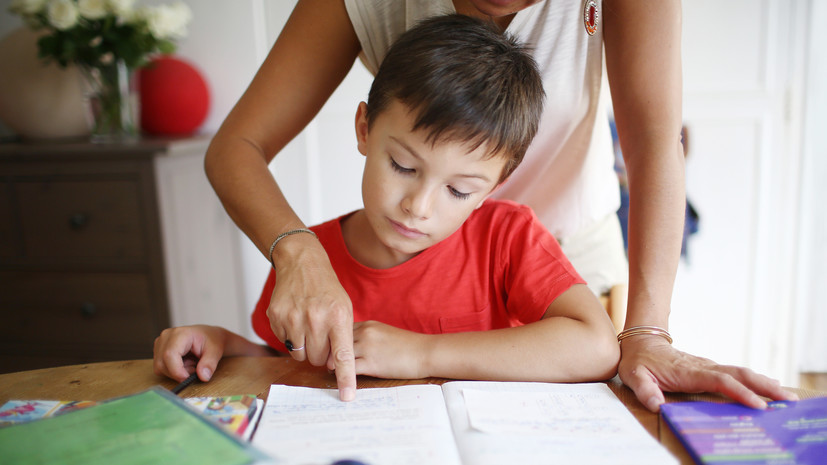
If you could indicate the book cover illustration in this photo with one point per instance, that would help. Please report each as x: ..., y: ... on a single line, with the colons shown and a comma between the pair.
x: 235, y: 413
x: 15, y: 412
x: 786, y: 433
x: 150, y: 427
x: 232, y: 412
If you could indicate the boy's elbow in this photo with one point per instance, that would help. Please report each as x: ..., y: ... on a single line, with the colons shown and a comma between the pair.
x: 607, y: 359
x: 606, y: 355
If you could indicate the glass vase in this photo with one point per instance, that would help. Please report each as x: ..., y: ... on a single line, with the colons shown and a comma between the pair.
x: 112, y: 102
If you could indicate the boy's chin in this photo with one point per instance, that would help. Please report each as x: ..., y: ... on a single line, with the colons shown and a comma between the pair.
x: 404, y: 249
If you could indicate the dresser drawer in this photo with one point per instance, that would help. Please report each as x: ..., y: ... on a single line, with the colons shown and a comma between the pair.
x: 86, y: 221
x: 9, y: 233
x: 80, y: 309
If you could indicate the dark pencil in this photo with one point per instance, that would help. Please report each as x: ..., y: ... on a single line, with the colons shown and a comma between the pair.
x: 184, y: 383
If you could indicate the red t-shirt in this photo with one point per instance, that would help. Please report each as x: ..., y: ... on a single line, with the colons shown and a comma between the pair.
x: 500, y: 269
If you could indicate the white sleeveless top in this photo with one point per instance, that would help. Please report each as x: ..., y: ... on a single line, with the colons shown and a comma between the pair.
x: 567, y: 176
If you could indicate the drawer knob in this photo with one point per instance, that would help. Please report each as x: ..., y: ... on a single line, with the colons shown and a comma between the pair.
x: 88, y: 309
x: 78, y: 221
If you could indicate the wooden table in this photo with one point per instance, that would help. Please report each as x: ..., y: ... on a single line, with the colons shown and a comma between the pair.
x: 254, y: 375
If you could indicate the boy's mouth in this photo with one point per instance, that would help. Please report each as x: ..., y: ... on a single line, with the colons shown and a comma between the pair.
x: 411, y: 233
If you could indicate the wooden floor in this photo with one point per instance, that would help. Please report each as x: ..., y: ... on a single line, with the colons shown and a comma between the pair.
x: 817, y: 381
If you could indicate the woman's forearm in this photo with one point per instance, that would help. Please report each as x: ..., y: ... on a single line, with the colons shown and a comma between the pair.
x: 643, y: 61
x: 308, y: 61
x: 240, y: 177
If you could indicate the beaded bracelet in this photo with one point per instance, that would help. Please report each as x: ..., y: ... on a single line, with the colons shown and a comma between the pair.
x: 638, y: 330
x: 282, y: 236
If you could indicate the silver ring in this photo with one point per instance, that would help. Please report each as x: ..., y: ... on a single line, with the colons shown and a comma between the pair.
x: 289, y: 345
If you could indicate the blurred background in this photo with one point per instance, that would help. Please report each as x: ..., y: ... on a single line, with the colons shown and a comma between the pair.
x: 755, y: 109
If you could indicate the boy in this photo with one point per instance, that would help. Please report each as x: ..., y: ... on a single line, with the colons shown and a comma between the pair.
x: 443, y: 282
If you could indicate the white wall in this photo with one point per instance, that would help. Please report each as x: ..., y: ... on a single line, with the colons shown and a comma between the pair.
x: 743, y: 69
x: 812, y: 242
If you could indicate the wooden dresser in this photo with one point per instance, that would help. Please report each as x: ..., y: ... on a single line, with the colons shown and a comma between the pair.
x: 99, y: 250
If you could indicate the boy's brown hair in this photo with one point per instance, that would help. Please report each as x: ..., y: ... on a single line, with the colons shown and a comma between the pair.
x: 465, y: 81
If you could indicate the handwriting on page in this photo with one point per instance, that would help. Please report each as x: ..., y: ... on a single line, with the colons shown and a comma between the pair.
x: 541, y: 423
x: 404, y: 425
x: 315, y: 406
x: 541, y: 412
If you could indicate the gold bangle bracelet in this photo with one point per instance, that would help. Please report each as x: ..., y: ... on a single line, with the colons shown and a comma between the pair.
x: 647, y: 330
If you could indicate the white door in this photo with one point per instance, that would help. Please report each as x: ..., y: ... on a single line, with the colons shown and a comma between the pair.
x: 744, y: 67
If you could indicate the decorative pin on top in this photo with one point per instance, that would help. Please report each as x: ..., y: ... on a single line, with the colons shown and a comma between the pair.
x: 591, y: 16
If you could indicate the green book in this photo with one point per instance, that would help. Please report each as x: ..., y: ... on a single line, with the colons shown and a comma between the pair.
x: 151, y: 427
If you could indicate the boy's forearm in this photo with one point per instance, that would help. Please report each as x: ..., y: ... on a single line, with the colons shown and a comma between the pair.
x: 556, y: 349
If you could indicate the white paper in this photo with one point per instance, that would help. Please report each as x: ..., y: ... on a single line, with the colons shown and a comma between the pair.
x: 496, y: 423
x: 398, y: 425
x: 540, y: 423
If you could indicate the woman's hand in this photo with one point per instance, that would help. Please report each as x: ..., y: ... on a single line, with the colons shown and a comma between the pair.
x: 649, y: 365
x: 311, y: 309
x: 385, y: 351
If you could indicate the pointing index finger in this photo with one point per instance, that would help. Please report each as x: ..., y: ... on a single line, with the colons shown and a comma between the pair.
x: 341, y: 347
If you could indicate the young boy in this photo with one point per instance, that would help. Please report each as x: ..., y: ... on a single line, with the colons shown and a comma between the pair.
x: 443, y: 282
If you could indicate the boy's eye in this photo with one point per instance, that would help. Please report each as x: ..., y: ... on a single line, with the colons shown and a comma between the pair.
x: 458, y: 194
x: 397, y: 167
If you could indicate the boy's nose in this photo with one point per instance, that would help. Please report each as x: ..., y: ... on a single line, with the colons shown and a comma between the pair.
x: 418, y: 203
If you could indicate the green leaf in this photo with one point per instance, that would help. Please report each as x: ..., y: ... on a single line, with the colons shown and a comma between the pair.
x: 166, y: 47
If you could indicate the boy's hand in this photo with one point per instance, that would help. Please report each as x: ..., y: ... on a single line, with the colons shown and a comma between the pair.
x: 175, y: 348
x: 649, y: 365
x: 384, y: 351
x: 310, y: 308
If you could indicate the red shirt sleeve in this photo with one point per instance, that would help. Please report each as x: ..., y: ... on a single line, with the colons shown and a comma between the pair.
x: 535, y: 270
x: 261, y: 324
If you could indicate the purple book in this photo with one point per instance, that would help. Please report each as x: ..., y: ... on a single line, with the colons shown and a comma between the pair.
x: 787, y: 433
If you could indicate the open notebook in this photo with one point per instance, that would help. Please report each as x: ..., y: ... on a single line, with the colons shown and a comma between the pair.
x: 460, y: 422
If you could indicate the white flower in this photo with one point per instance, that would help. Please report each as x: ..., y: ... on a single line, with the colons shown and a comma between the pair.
x: 92, y: 9
x: 168, y: 21
x: 27, y: 7
x: 120, y: 7
x: 63, y: 14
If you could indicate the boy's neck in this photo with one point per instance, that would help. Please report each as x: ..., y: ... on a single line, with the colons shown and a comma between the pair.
x: 365, y: 247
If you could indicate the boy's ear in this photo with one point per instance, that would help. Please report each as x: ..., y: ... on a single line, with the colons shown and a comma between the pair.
x: 362, y: 128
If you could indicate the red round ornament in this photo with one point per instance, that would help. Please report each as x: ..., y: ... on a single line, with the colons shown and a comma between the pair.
x: 174, y: 97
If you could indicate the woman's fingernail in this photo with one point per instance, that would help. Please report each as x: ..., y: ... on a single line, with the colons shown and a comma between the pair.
x: 653, y: 403
x: 206, y: 373
x: 347, y: 394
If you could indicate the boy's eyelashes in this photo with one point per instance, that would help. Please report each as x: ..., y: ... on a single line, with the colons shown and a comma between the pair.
x: 401, y: 169
x: 397, y: 167
x: 458, y: 194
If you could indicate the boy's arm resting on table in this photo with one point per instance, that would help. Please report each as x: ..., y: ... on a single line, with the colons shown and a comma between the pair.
x: 199, y: 347
x: 314, y: 52
x: 641, y: 42
x: 574, y: 342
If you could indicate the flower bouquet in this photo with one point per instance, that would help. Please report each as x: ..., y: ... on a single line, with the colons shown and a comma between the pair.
x: 107, y: 40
